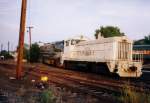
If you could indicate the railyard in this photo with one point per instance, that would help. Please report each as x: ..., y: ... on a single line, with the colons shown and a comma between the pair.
x: 63, y: 63
x: 100, y: 88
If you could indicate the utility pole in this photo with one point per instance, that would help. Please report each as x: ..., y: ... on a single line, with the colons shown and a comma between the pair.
x: 29, y: 31
x: 8, y: 47
x: 21, y: 39
x: 1, y: 47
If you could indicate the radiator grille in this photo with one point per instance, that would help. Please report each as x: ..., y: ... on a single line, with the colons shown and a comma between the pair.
x: 124, y: 51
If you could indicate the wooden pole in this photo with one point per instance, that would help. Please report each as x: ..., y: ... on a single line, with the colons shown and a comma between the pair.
x: 8, y: 46
x: 29, y: 31
x: 1, y: 47
x: 30, y: 27
x: 21, y: 39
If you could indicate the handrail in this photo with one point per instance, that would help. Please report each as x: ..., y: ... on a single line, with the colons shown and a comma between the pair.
x: 137, y: 56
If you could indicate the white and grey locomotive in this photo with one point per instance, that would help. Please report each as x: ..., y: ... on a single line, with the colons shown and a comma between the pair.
x: 112, y: 55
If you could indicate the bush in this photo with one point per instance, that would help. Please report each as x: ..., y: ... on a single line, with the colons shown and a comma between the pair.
x: 6, y: 54
x: 129, y: 95
x: 47, y: 96
x: 34, y: 53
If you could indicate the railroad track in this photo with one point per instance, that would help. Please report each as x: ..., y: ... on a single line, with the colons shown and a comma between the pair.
x: 75, y: 81
x: 72, y: 84
x: 112, y: 85
x: 79, y: 86
x: 79, y: 80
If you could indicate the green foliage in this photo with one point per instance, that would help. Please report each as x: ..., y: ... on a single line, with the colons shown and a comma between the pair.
x: 6, y: 54
x: 34, y: 53
x: 47, y: 97
x: 108, y: 31
x: 145, y: 41
x: 139, y: 42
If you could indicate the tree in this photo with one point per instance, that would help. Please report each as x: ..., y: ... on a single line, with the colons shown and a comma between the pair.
x: 26, y: 53
x: 139, y: 42
x: 144, y: 41
x: 34, y: 53
x: 147, y: 39
x: 6, y: 54
x: 108, y: 31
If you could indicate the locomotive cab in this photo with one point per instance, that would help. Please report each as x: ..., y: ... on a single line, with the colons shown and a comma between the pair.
x: 70, y: 44
x: 74, y: 41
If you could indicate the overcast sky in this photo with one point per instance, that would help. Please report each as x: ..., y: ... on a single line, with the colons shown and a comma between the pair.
x: 58, y: 19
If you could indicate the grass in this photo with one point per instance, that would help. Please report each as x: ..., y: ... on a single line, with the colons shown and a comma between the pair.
x: 129, y: 95
x: 47, y: 96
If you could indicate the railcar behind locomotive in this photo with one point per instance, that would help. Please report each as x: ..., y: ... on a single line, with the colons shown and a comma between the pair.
x: 113, y: 55
x: 145, y: 50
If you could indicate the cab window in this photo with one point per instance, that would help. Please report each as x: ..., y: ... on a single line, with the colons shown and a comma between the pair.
x: 73, y: 42
x: 67, y: 43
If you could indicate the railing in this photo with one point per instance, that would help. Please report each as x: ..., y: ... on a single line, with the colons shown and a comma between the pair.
x: 137, y: 56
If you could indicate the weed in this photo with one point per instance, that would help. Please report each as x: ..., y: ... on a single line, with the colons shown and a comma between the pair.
x: 47, y: 96
x: 130, y: 95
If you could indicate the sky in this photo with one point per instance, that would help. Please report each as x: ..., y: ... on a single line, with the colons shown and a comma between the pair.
x: 55, y: 20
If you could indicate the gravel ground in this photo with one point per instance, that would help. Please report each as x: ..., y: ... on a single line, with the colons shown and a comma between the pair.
x: 25, y: 91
